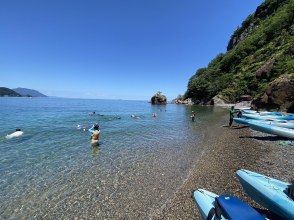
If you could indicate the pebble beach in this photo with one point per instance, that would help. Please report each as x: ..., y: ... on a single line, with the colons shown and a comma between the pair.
x: 227, y: 150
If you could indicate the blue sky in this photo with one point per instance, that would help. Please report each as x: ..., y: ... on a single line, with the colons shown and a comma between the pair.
x: 116, y: 49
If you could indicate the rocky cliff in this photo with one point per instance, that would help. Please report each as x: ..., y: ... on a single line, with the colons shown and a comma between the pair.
x: 259, y: 52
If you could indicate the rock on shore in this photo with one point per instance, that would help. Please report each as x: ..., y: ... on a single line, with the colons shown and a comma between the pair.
x: 279, y: 95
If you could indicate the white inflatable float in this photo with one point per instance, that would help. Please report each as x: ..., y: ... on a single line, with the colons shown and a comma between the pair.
x: 14, y: 134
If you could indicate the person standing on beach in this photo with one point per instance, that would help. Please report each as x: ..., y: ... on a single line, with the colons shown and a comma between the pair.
x: 232, y: 112
x: 193, y: 116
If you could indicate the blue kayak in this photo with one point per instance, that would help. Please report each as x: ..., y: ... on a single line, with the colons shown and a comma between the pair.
x: 286, y: 117
x: 268, y: 117
x: 271, y: 113
x: 248, y: 111
x: 279, y: 123
x: 212, y: 206
x: 268, y: 192
x: 271, y: 129
x: 261, y: 117
x: 263, y: 113
x: 242, y: 121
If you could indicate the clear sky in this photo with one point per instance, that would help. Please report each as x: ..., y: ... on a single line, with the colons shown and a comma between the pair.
x: 116, y: 49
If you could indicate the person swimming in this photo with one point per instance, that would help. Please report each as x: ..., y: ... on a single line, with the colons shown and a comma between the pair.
x: 154, y: 115
x: 81, y: 127
x: 135, y: 117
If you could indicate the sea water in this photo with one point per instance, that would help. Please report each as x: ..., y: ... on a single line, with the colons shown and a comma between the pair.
x: 53, y: 172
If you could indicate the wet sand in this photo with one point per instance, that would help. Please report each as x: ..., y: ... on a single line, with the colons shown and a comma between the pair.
x: 227, y: 150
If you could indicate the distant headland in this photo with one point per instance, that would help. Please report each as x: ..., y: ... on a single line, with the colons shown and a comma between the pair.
x: 20, y: 92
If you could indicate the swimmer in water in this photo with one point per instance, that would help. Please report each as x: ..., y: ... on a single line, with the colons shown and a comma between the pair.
x: 92, y: 113
x: 95, y: 134
x: 193, y: 116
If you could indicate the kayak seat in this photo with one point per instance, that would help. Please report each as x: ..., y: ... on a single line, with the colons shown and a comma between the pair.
x: 234, y: 208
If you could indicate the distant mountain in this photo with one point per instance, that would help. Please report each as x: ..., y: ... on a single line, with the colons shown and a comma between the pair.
x: 8, y: 92
x: 29, y: 92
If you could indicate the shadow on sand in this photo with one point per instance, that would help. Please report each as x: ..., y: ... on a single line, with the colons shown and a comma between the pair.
x: 266, y: 138
x: 235, y: 126
x: 240, y: 127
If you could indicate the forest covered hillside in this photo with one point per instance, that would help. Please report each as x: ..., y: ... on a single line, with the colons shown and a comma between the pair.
x: 258, y: 62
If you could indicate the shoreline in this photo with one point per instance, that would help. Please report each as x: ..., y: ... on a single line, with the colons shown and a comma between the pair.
x: 227, y: 150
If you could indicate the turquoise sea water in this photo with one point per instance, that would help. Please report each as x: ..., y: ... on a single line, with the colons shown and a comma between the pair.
x: 53, y: 172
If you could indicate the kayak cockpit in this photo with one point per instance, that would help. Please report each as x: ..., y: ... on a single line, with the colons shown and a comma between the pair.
x: 232, y: 207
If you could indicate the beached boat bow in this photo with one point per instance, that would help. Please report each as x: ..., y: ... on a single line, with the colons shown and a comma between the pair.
x: 268, y: 192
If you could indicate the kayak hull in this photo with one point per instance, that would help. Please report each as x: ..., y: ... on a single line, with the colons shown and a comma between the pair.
x: 271, y: 129
x: 268, y: 117
x: 242, y: 121
x: 282, y: 124
x: 259, y: 117
x: 205, y: 202
x: 268, y: 192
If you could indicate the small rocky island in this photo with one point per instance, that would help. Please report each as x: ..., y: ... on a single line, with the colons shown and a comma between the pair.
x: 159, y: 99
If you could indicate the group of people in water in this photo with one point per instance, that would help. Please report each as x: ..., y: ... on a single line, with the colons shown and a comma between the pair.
x: 95, y: 129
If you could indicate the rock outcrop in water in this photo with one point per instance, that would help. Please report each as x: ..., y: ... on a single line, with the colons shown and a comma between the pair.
x: 158, y: 99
